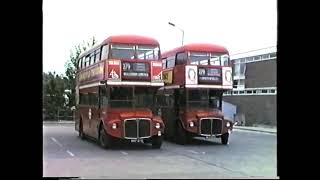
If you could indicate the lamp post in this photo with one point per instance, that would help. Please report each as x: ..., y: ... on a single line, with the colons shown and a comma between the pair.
x: 171, y: 24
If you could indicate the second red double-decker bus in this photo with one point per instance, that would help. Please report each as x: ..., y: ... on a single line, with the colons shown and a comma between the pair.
x: 195, y: 76
x: 116, y: 84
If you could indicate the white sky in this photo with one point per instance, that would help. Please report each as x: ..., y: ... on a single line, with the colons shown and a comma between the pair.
x: 239, y: 25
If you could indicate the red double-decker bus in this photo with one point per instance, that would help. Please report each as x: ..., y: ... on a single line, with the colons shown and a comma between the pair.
x: 116, y: 84
x: 190, y: 103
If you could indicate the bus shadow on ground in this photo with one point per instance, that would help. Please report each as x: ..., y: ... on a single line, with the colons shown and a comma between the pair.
x: 124, y: 145
x: 131, y: 146
x: 197, y: 142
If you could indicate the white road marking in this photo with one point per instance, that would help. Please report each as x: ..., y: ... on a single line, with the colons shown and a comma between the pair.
x: 254, y: 132
x: 195, y: 152
x: 70, y: 153
x: 57, y: 142
x: 124, y: 153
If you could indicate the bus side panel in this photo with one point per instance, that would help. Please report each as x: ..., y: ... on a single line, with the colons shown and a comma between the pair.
x: 77, y: 119
x: 84, y: 117
x: 179, y: 75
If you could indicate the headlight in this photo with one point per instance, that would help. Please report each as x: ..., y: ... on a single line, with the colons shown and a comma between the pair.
x: 114, y: 126
x: 191, y: 124
x: 228, y: 124
x: 158, y: 125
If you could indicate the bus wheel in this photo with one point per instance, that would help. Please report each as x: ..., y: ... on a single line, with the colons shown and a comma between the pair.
x: 181, y: 134
x: 225, y: 138
x: 105, y: 140
x: 157, y: 142
x: 81, y: 134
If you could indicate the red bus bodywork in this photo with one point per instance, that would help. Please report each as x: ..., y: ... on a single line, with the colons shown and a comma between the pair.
x: 108, y: 73
x: 183, y: 78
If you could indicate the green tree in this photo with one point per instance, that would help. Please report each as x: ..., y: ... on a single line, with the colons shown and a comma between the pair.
x: 53, y: 94
x: 56, y: 87
x: 71, y: 65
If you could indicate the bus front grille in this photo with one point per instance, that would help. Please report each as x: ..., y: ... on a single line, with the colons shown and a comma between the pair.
x: 210, y: 126
x: 137, y: 128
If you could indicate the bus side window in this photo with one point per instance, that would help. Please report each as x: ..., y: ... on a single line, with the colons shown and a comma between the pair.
x: 81, y: 63
x: 181, y: 58
x: 170, y: 62
x: 93, y: 99
x: 182, y: 98
x: 86, y: 63
x: 97, y: 55
x: 105, y: 52
x: 83, y: 99
x: 91, y: 61
x: 80, y: 98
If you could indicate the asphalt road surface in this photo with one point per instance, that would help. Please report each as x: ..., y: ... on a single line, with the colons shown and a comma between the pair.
x: 249, y: 154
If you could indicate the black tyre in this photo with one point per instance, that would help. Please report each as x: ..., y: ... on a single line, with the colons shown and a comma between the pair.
x: 157, y: 142
x: 225, y: 138
x: 105, y: 139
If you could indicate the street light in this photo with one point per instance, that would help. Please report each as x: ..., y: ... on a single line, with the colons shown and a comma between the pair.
x: 171, y: 24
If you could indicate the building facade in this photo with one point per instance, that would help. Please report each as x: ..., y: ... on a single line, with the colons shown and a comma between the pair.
x: 255, y: 87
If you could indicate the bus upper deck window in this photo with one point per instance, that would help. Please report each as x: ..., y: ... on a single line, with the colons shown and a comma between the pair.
x: 104, y: 52
x: 199, y: 58
x: 215, y: 60
x: 181, y: 58
x: 147, y: 52
x: 122, y: 51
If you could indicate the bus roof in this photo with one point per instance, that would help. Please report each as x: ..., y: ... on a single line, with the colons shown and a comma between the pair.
x: 124, y: 39
x: 131, y: 39
x: 198, y: 47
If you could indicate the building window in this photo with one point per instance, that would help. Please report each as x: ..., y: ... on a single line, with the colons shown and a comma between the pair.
x: 235, y: 83
x: 235, y: 92
x: 257, y: 58
x: 249, y: 59
x: 238, y: 84
x: 272, y: 55
x: 241, y: 92
x: 266, y: 56
x: 273, y: 91
x: 239, y: 69
x: 264, y: 91
x: 249, y: 92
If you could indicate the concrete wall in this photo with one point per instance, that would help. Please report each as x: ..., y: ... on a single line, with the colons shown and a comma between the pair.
x: 261, y: 74
x: 258, y: 109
